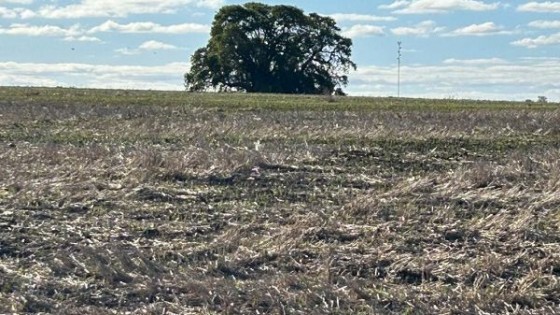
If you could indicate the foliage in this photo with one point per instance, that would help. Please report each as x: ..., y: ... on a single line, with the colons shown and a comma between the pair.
x: 272, y: 49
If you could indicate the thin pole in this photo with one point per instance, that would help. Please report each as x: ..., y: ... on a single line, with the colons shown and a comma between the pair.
x: 399, y: 55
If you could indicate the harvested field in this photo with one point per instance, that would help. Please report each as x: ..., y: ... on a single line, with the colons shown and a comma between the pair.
x: 128, y: 202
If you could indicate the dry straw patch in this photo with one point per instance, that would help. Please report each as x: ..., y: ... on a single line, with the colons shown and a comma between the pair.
x: 139, y: 203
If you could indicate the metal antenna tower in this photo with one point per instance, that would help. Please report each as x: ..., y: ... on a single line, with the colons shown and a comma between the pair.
x: 399, y: 55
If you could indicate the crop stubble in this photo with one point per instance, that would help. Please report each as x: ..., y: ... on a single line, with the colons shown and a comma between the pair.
x: 151, y: 202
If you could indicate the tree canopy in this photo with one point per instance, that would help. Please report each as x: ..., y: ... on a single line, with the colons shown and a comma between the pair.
x: 272, y: 49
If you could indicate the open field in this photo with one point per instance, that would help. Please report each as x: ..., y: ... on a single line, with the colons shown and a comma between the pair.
x: 174, y: 203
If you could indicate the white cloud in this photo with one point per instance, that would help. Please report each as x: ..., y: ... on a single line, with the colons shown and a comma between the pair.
x: 545, y: 24
x: 7, y: 13
x: 150, y: 27
x: 72, y: 33
x: 424, y: 28
x: 26, y: 80
x: 82, y: 38
x: 150, y: 45
x: 492, y: 78
x: 121, y: 8
x: 162, y: 77
x: 361, y: 30
x: 45, y: 30
x: 353, y: 17
x: 483, y: 29
x: 26, y: 14
x: 488, y: 61
x: 127, y: 51
x: 395, y: 5
x: 439, y: 6
x: 155, y: 45
x: 546, y: 7
x: 542, y: 40
x: 17, y: 1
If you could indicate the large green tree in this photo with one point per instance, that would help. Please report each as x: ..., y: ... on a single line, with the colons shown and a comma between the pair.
x: 273, y: 49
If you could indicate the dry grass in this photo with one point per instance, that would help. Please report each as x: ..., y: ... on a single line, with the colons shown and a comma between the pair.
x: 139, y: 203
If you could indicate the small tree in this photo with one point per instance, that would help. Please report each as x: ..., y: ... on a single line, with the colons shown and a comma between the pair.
x: 276, y: 49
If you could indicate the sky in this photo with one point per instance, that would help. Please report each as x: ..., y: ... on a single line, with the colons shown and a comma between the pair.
x: 456, y: 49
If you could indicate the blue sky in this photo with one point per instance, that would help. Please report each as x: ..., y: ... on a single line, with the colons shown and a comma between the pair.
x: 450, y: 48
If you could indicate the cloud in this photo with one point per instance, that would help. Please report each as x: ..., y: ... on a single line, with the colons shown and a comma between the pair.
x: 155, y: 45
x: 72, y: 33
x: 17, y: 1
x: 7, y: 13
x: 121, y: 8
x: 82, y: 38
x: 395, y: 5
x: 484, y: 29
x: 542, y: 40
x: 45, y: 30
x: 545, y: 7
x: 150, y: 45
x: 361, y: 30
x: 491, y: 78
x: 439, y: 6
x: 162, y: 77
x: 545, y: 24
x: 150, y: 27
x: 488, y: 61
x: 423, y: 29
x: 352, y: 17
